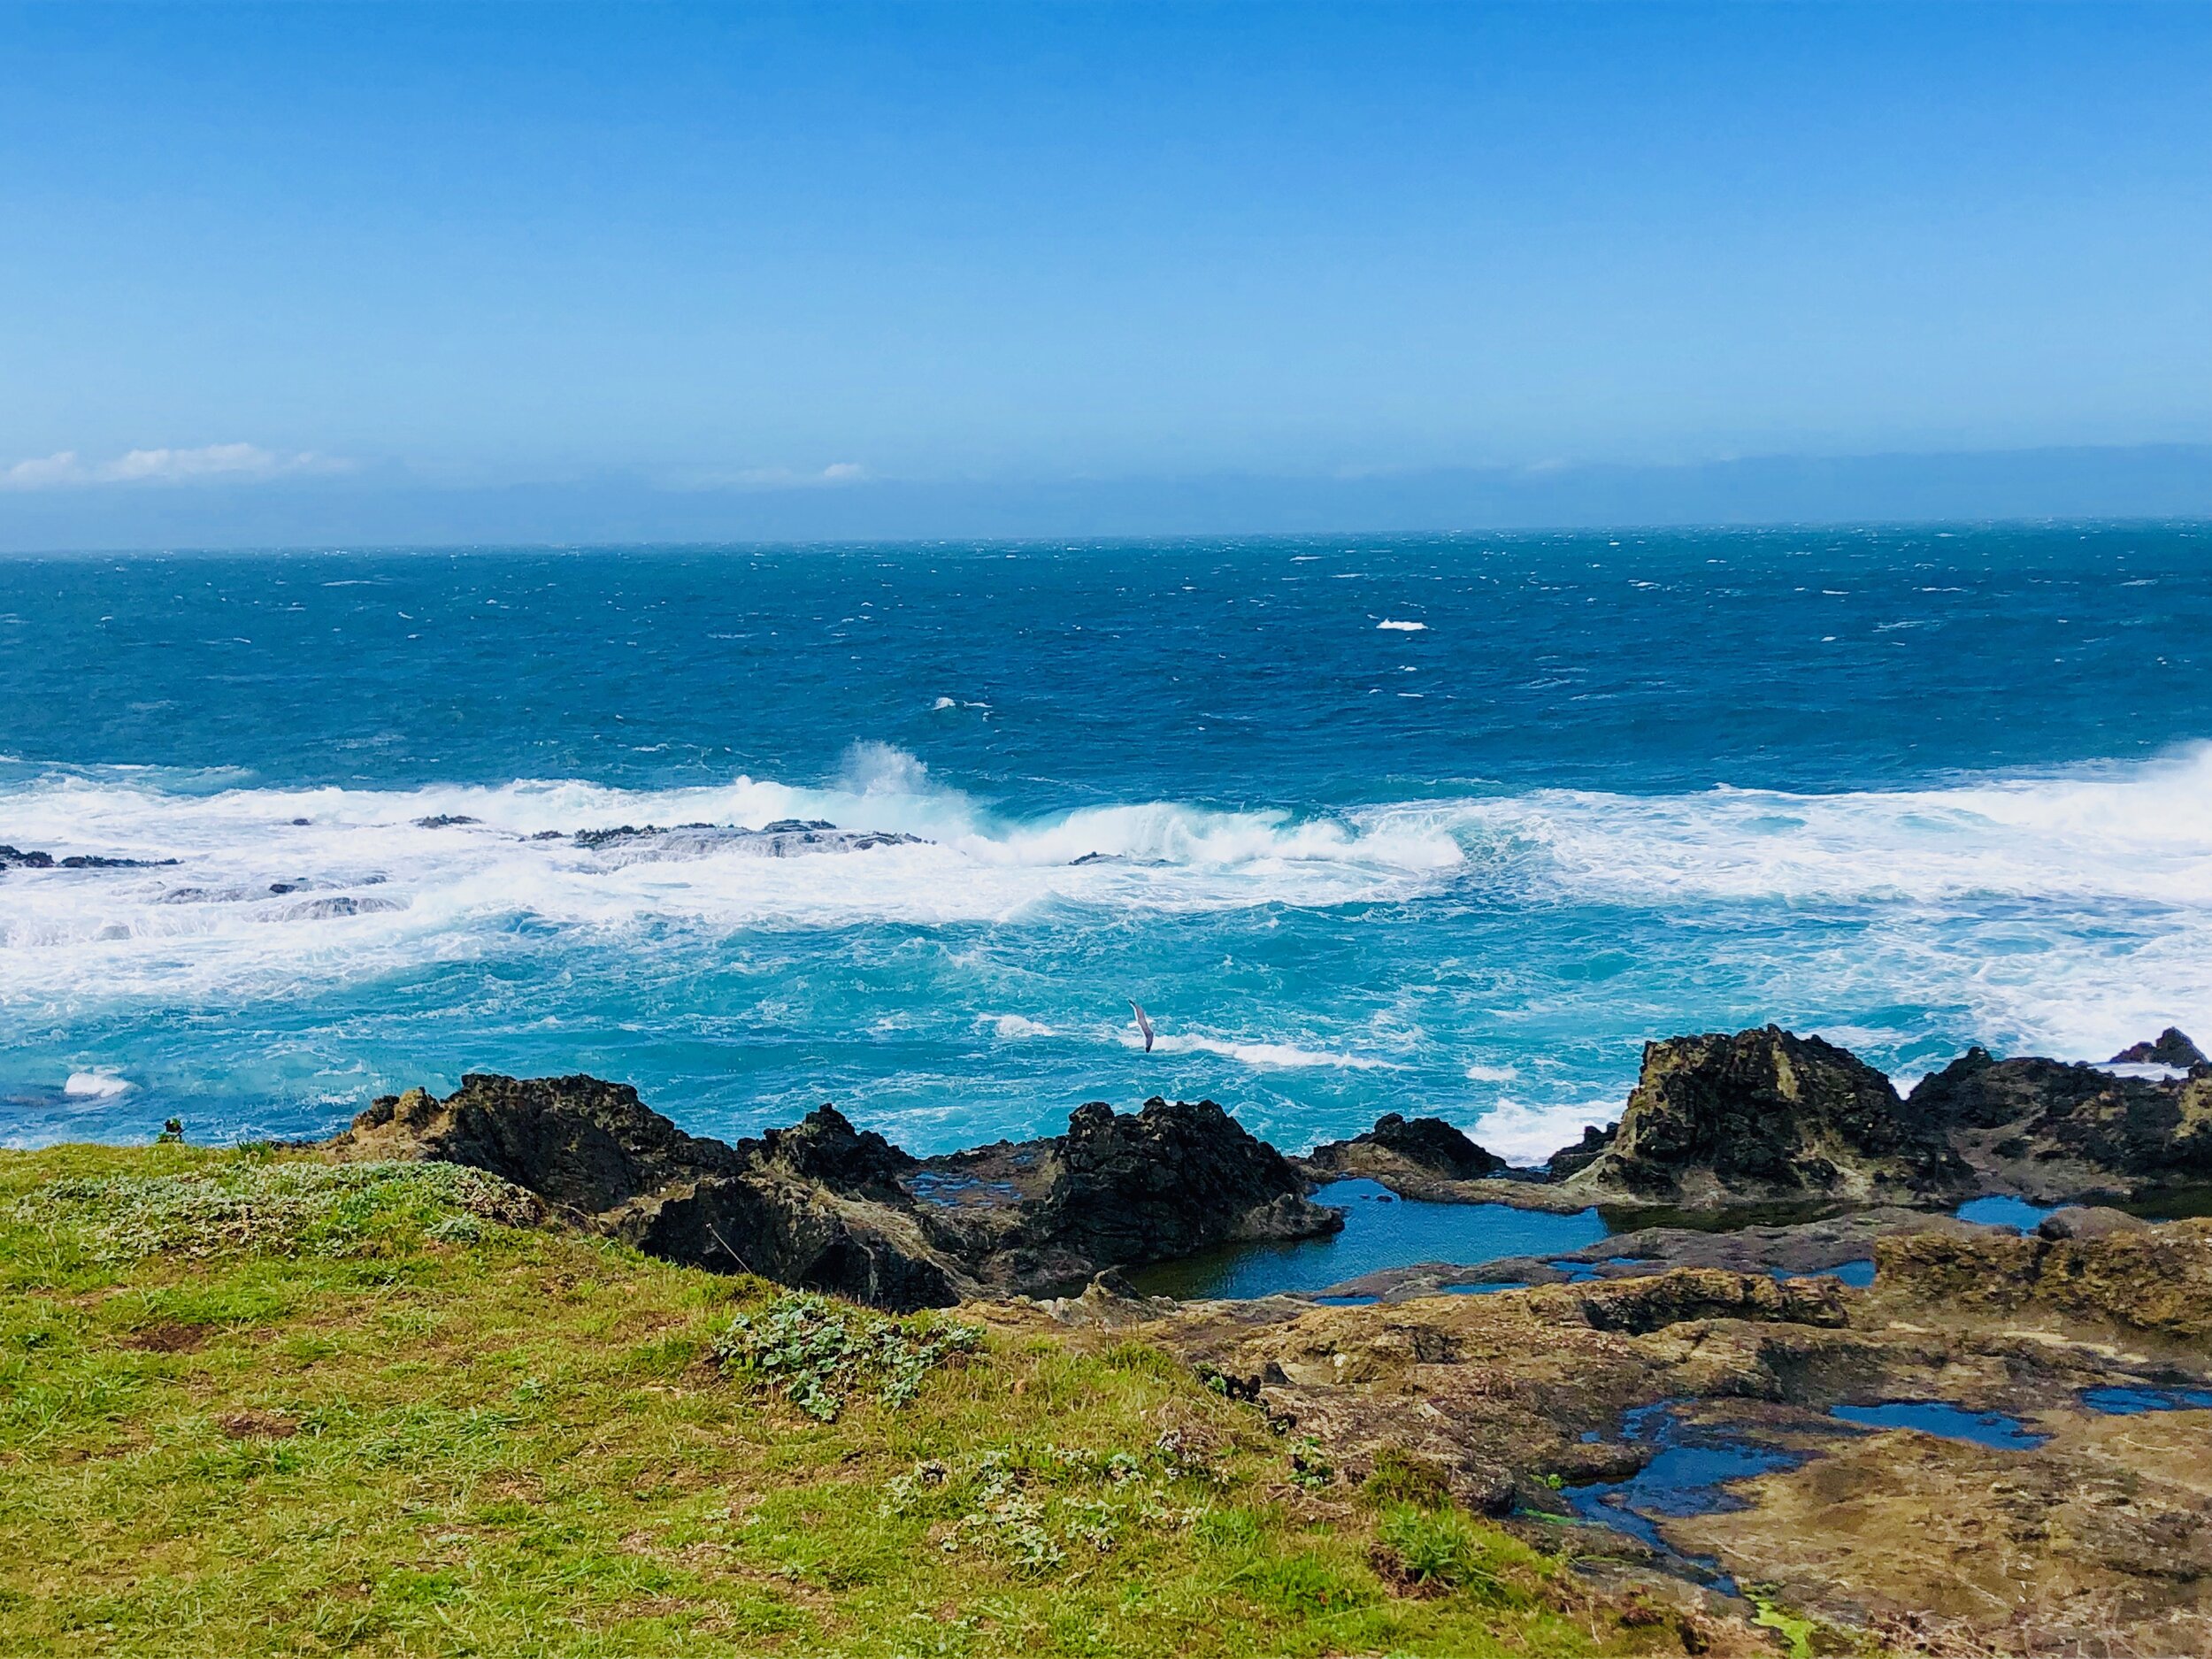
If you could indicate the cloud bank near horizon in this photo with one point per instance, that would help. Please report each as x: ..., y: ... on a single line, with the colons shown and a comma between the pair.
x: 304, y: 502
x: 230, y: 462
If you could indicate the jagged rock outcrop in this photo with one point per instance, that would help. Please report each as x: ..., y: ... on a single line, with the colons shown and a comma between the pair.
x: 2171, y: 1047
x: 786, y: 838
x: 1767, y: 1117
x: 1170, y: 1179
x: 2053, y: 1131
x: 1406, y: 1152
x: 825, y: 1206
x: 585, y: 1145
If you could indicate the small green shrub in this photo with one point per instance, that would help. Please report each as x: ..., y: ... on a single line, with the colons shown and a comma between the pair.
x: 1400, y: 1477
x: 1438, y: 1548
x: 285, y: 1208
x: 818, y: 1353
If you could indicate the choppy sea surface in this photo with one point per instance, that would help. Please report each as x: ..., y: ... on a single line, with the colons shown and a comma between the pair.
x: 1445, y: 825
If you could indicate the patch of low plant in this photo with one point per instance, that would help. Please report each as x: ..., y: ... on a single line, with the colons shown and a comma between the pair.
x: 1033, y: 1507
x: 1436, y: 1548
x: 281, y: 1208
x: 819, y: 1353
x: 1299, y: 1582
x: 1310, y: 1466
x: 1400, y: 1477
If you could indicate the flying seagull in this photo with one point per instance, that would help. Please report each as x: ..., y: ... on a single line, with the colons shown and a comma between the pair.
x: 1143, y: 1024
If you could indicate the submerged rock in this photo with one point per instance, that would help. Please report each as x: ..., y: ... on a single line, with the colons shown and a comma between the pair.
x: 16, y: 858
x: 786, y: 838
x: 1766, y: 1116
x: 825, y: 1206
x: 1406, y: 1152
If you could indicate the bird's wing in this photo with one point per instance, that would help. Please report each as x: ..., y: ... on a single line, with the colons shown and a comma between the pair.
x: 1143, y: 1024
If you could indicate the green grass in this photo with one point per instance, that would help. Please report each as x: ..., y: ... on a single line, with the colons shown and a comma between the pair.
x: 250, y: 1406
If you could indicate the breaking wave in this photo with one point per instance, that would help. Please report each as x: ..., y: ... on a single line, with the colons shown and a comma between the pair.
x: 1978, y: 882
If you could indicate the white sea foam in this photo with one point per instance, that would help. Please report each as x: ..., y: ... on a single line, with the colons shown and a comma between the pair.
x: 1266, y: 1057
x: 1525, y: 1134
x: 1492, y: 1073
x: 99, y: 1083
x: 1014, y: 1028
x: 1393, y: 625
x: 2074, y: 909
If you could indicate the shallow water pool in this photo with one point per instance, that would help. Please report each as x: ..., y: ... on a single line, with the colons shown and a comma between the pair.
x: 1380, y: 1231
x: 1945, y: 1422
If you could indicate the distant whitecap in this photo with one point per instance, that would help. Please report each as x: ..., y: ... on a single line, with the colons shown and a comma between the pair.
x: 99, y: 1085
x: 1396, y: 626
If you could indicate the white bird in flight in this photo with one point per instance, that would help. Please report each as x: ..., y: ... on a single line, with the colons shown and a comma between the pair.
x: 1143, y: 1024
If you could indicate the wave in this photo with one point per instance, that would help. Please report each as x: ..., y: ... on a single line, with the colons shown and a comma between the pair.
x: 96, y: 1084
x: 2107, y: 872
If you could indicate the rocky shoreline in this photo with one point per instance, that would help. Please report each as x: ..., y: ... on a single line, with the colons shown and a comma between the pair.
x: 1789, y: 1364
x: 823, y: 1206
x: 1721, y: 1130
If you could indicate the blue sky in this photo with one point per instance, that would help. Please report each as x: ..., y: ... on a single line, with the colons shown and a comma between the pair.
x: 372, y: 254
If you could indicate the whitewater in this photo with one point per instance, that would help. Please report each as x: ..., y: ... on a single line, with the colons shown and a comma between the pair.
x: 1185, y: 775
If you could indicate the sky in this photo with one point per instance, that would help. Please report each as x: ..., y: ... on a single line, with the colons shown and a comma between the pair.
x: 550, y: 271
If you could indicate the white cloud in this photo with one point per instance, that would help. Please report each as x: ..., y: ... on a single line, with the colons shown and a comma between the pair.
x: 775, y: 478
x: 242, y: 463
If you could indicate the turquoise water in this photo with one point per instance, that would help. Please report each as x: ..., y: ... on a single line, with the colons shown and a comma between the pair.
x: 1910, y: 788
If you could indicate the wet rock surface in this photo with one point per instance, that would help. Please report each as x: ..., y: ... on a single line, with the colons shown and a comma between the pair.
x: 829, y: 1207
x: 35, y: 858
x: 1795, y: 1250
x: 2171, y: 1047
x: 1411, y: 1152
x: 786, y: 838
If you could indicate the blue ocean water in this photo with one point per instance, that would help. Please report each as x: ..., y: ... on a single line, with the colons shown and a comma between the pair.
x: 1444, y: 824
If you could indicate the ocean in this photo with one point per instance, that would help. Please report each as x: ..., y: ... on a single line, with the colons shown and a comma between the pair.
x: 1445, y: 825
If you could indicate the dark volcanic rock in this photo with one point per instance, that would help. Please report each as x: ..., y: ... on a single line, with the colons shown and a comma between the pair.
x: 786, y: 838
x: 824, y: 1147
x: 2053, y: 1131
x: 1767, y: 1117
x: 1400, y: 1147
x: 1172, y: 1178
x: 16, y: 859
x: 825, y: 1206
x: 1594, y: 1142
x: 586, y: 1145
x: 2172, y: 1047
